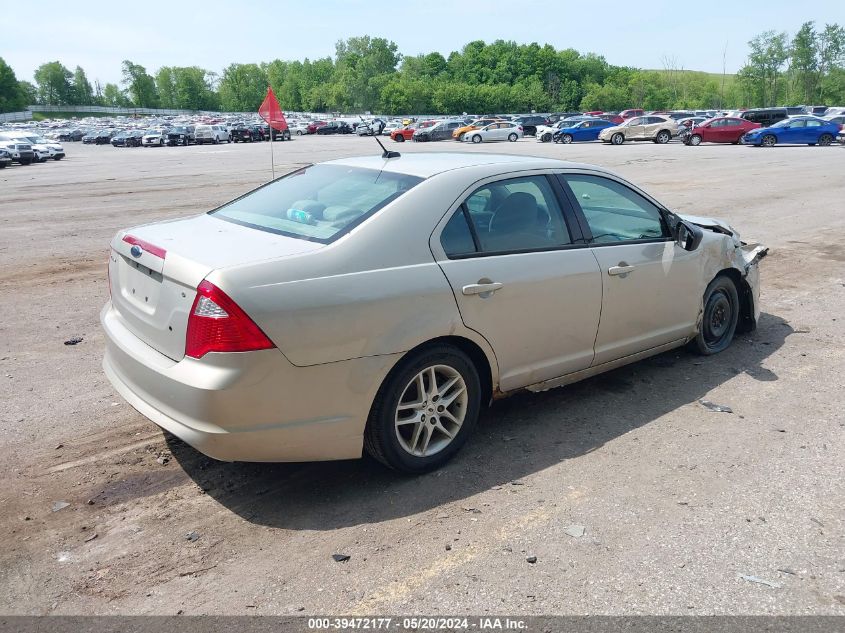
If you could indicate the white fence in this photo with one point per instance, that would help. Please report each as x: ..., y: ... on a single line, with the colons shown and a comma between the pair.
x: 83, y: 110
x: 10, y: 117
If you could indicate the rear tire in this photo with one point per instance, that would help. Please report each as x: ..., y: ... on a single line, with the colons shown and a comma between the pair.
x: 423, y: 443
x: 719, y: 318
x: 825, y: 140
x: 663, y: 137
x: 512, y: 137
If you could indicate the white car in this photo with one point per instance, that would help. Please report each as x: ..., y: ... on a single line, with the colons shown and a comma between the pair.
x: 41, y: 150
x: 20, y: 151
x: 499, y: 131
x: 153, y: 138
x: 390, y: 127
x: 55, y: 150
x: 298, y: 127
x: 211, y: 134
x: 545, y: 133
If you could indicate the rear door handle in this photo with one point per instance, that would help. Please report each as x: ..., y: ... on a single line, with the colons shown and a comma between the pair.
x: 482, y: 289
x: 622, y: 269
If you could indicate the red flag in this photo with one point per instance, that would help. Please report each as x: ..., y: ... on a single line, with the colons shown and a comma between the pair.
x: 270, y: 111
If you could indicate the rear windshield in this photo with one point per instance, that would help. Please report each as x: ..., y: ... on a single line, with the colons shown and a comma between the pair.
x: 317, y: 203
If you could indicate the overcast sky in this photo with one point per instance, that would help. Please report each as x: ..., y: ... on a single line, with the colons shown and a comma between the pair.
x: 214, y: 33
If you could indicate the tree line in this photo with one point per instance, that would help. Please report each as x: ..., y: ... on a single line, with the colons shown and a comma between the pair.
x: 369, y: 74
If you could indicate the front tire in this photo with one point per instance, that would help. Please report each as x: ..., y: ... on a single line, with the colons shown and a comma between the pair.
x: 566, y: 139
x: 546, y: 138
x: 617, y: 139
x: 720, y: 316
x: 476, y: 138
x: 768, y: 141
x: 399, y: 138
x: 694, y: 140
x: 407, y: 429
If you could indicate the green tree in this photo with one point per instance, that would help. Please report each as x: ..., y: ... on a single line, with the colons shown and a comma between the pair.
x: 29, y: 92
x: 764, y: 70
x: 115, y: 97
x: 140, y: 85
x: 803, y: 63
x: 242, y: 87
x: 12, y: 96
x: 54, y: 84
x: 81, y: 90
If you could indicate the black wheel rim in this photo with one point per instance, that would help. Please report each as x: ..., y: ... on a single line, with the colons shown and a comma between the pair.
x: 717, y: 318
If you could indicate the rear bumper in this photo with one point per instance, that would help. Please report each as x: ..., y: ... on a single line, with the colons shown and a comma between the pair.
x: 253, y: 406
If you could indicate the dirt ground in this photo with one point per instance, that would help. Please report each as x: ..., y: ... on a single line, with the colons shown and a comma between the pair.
x: 684, y: 510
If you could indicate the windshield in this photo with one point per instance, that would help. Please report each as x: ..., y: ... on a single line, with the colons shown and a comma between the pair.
x: 317, y: 203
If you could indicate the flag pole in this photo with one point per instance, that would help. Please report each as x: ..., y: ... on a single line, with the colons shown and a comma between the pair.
x: 272, y: 134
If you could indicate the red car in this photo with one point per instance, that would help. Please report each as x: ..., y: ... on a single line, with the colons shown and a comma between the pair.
x: 723, y: 129
x: 407, y: 133
x: 315, y: 125
x: 630, y: 114
x: 613, y: 118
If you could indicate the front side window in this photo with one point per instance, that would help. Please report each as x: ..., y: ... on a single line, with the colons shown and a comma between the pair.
x: 511, y: 215
x: 614, y: 212
x: 317, y: 203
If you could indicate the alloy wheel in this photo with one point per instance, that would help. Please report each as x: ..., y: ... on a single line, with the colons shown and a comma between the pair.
x: 431, y: 410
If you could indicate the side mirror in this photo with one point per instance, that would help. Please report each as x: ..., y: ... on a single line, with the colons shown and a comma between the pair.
x: 688, y: 236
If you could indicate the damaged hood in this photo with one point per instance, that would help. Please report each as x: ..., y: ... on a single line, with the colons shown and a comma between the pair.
x: 710, y: 223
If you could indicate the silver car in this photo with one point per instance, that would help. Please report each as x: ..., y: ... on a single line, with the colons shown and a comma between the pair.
x: 379, y: 303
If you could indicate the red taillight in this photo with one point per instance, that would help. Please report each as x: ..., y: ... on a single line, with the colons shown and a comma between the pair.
x: 152, y: 249
x: 217, y: 324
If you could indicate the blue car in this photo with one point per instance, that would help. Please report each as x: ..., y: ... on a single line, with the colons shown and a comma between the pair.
x: 795, y: 130
x: 584, y: 130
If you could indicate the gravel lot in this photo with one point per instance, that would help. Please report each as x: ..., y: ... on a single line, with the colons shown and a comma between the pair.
x: 678, y: 503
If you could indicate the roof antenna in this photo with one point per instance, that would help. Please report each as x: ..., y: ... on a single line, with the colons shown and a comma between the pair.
x: 387, y: 153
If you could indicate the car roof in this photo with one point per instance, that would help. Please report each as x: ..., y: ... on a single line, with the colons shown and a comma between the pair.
x: 425, y: 165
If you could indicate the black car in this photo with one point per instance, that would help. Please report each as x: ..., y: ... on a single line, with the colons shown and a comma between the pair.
x: 103, y: 137
x: 89, y: 138
x: 765, y: 116
x: 120, y: 139
x: 278, y: 135
x: 260, y: 133
x: 336, y: 127
x: 5, y: 158
x: 530, y: 123
x: 438, y: 132
x: 183, y: 135
x: 71, y: 135
x: 557, y: 116
x: 243, y: 134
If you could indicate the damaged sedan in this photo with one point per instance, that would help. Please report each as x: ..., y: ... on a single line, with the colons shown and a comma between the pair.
x: 379, y: 303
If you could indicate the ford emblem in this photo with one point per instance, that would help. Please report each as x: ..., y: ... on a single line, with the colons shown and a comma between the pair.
x: 136, y: 251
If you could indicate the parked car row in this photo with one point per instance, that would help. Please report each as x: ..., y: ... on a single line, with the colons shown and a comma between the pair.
x: 26, y: 147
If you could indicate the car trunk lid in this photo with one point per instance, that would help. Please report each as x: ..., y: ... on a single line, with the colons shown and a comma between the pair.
x: 154, y: 271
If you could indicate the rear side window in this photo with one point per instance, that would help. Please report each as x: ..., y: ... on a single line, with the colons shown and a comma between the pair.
x: 614, y: 212
x: 317, y: 203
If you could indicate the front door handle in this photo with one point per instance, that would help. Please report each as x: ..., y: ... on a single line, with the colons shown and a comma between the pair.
x: 483, y: 289
x: 621, y: 269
